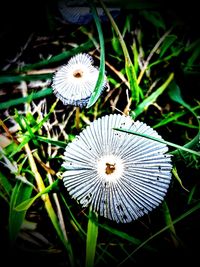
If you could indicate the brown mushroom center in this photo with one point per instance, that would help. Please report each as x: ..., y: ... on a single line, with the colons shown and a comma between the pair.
x: 110, y: 168
x: 78, y: 73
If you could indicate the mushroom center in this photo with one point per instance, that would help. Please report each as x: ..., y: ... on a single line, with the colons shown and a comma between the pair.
x: 78, y: 73
x: 110, y: 168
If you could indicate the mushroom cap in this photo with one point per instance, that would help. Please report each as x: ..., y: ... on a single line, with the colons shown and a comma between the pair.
x: 79, y: 12
x: 74, y: 82
x: 120, y: 175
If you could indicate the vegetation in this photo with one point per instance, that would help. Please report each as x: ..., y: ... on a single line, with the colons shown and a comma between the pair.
x: 150, y: 54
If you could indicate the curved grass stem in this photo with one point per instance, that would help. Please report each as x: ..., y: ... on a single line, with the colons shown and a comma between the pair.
x: 48, y: 205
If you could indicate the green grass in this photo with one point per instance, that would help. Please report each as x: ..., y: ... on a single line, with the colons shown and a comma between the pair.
x: 151, y: 61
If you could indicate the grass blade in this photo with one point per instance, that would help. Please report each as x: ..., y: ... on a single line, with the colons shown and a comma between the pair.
x: 51, y: 141
x: 129, y: 67
x: 169, y: 223
x: 49, y: 207
x: 26, y: 99
x: 66, y: 54
x: 25, y: 205
x: 19, y: 78
x: 20, y: 193
x: 181, y: 217
x: 26, y: 136
x: 159, y: 140
x: 174, y: 117
x: 5, y: 185
x: 101, y: 78
x: 152, y: 98
x: 175, y: 94
x: 124, y: 235
x: 91, y: 241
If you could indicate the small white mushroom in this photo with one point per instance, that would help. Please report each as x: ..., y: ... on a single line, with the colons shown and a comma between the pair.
x: 74, y: 82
